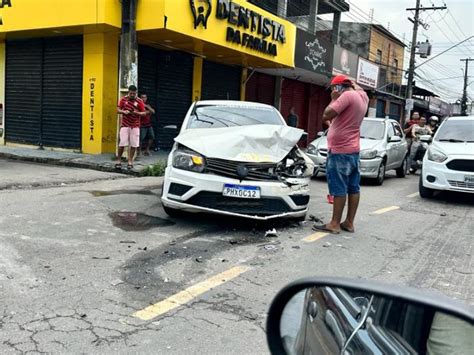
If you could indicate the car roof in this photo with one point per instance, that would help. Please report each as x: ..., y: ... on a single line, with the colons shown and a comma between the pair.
x: 460, y: 118
x: 232, y: 103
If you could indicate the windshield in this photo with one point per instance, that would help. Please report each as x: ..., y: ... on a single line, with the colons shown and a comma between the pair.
x: 228, y: 116
x: 456, y: 131
x: 372, y: 129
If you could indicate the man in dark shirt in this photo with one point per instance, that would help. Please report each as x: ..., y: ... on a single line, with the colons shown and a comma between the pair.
x: 292, y: 119
x: 407, y: 129
x: 147, y: 135
x: 131, y: 108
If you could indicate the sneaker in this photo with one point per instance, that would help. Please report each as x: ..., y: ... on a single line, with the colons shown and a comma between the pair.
x: 330, y: 199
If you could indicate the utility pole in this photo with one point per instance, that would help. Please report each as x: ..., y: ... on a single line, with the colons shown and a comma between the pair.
x: 464, y: 93
x: 416, y: 22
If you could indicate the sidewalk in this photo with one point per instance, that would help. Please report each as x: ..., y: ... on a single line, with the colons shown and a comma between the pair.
x: 102, y: 162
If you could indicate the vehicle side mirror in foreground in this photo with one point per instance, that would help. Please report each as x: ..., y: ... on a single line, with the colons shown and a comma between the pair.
x: 394, y: 139
x: 426, y: 138
x: 344, y: 316
x: 320, y: 134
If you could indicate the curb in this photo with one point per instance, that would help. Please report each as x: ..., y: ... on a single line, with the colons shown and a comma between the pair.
x: 69, y: 163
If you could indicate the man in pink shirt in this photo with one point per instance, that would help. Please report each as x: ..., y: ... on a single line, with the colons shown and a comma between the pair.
x: 345, y: 114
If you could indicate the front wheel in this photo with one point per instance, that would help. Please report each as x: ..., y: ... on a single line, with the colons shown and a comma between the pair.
x: 424, y: 191
x: 402, y: 170
x: 381, y: 175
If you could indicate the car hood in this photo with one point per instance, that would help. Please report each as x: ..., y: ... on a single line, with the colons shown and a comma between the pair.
x: 256, y: 143
x: 368, y: 144
x: 322, y: 143
x: 455, y: 148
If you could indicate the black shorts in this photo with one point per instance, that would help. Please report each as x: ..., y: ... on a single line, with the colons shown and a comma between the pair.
x: 146, y: 133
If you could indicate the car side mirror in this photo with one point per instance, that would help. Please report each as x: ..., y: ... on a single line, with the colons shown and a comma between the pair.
x: 395, y: 139
x: 320, y: 134
x: 426, y: 138
x: 341, y: 316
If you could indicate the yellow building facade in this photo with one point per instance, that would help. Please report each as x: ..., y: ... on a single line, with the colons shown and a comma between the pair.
x: 59, y: 65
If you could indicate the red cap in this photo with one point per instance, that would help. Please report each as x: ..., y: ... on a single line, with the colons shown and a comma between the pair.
x: 340, y: 79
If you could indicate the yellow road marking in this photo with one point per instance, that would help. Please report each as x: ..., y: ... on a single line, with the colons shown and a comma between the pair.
x: 314, y: 237
x: 385, y: 210
x: 413, y: 195
x: 188, y: 294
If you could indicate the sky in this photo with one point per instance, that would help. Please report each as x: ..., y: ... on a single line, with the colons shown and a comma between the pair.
x: 442, y: 75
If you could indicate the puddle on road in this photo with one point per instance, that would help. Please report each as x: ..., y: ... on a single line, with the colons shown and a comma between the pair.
x: 134, y: 221
x: 121, y: 192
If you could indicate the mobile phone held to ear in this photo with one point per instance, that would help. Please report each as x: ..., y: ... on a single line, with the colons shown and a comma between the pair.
x: 339, y: 88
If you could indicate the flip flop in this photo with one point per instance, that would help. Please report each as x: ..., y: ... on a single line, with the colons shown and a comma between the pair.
x: 118, y: 166
x: 347, y: 229
x: 323, y: 228
x: 130, y: 166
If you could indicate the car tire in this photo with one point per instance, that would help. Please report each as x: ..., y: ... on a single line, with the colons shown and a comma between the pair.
x: 402, y: 171
x: 381, y: 174
x: 173, y: 213
x: 425, y: 192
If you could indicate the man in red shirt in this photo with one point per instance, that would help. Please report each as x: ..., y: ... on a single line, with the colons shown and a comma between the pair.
x: 345, y: 113
x: 131, y: 108
x: 147, y: 135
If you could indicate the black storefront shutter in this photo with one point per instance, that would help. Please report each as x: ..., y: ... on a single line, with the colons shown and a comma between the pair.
x: 62, y: 92
x: 23, y: 91
x: 220, y: 82
x: 167, y: 78
x: 43, y: 103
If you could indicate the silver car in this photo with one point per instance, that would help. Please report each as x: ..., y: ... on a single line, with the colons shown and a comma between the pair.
x: 382, y: 147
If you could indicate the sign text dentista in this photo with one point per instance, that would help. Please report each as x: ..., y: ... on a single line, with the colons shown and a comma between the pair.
x: 263, y: 30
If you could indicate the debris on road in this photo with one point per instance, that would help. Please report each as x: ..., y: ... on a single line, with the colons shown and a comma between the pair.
x: 199, y: 259
x: 116, y: 282
x: 313, y: 218
x: 128, y: 242
x: 327, y: 245
x: 166, y: 280
x: 444, y: 214
x: 272, y: 233
x: 270, y: 247
x: 296, y: 247
x: 101, y: 257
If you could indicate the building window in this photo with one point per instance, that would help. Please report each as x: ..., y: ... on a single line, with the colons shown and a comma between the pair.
x: 395, y: 67
x: 378, y: 59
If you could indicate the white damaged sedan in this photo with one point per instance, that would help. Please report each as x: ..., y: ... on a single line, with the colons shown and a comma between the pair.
x: 239, y: 159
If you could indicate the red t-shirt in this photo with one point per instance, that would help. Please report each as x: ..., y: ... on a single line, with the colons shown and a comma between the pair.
x: 132, y: 120
x: 145, y: 121
x: 344, y: 132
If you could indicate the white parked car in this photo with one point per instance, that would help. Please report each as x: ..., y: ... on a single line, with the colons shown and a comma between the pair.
x: 382, y: 147
x: 449, y: 162
x: 239, y: 159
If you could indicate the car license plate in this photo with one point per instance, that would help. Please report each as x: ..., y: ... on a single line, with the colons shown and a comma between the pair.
x: 469, y: 179
x: 250, y: 192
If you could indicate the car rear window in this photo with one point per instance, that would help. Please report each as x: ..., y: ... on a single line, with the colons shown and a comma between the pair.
x: 214, y: 116
x: 456, y: 131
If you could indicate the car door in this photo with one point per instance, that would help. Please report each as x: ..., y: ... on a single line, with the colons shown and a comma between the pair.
x: 403, y: 146
x: 392, y: 148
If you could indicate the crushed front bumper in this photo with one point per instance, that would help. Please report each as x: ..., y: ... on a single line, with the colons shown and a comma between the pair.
x: 194, y: 192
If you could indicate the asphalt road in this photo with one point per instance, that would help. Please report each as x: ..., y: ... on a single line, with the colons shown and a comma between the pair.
x: 83, y: 254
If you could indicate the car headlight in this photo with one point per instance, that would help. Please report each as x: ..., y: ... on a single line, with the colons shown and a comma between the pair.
x: 189, y: 160
x: 436, y: 155
x: 312, y: 150
x: 368, y: 154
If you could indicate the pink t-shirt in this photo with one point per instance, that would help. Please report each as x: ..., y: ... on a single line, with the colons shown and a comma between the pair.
x: 344, y: 133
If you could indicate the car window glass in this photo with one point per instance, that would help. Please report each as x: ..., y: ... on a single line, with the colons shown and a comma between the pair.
x: 372, y: 129
x: 213, y: 116
x: 398, y: 130
x: 462, y: 130
x: 391, y: 131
